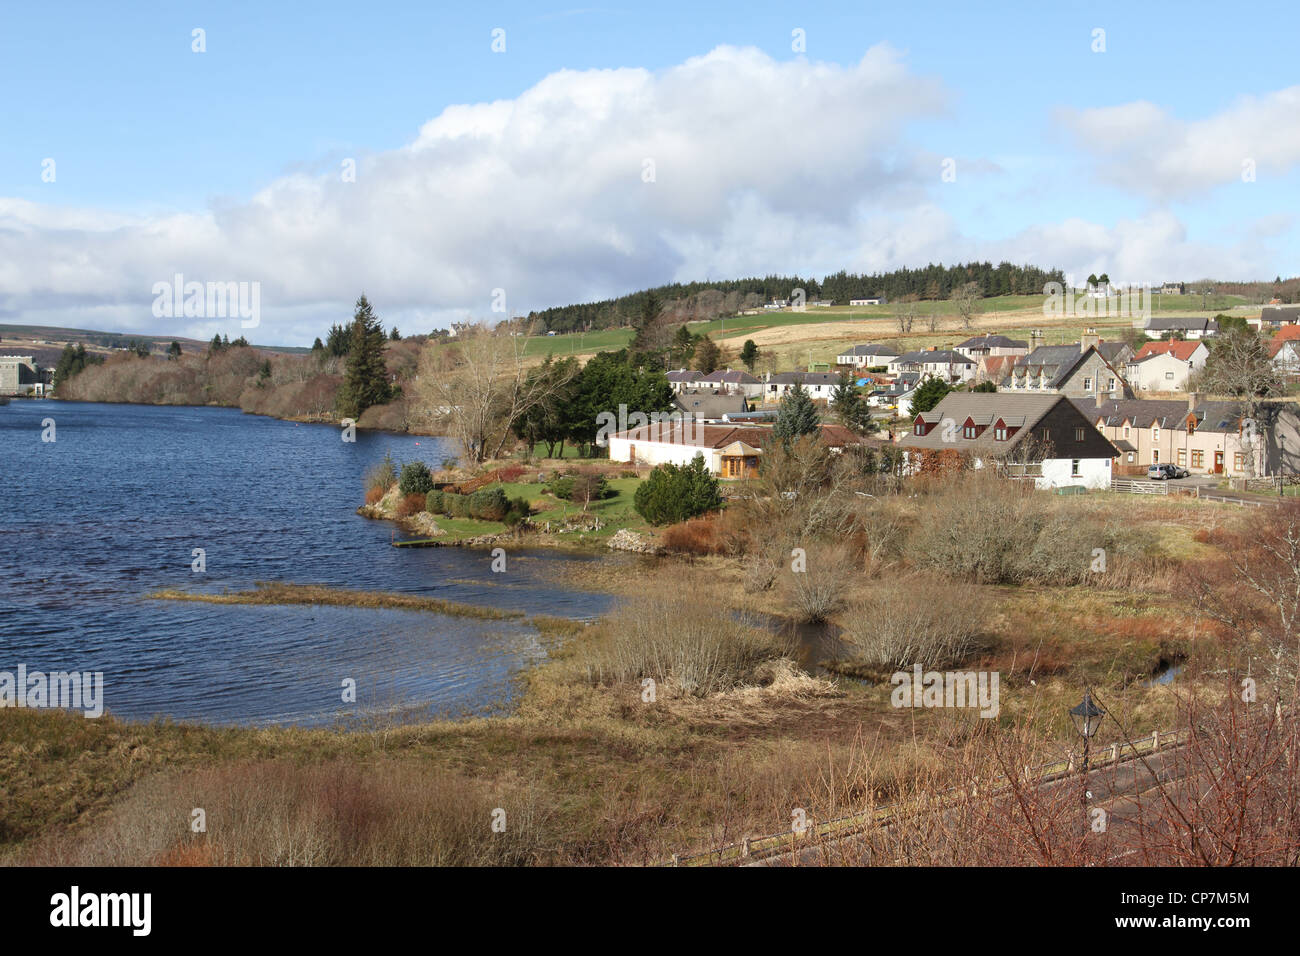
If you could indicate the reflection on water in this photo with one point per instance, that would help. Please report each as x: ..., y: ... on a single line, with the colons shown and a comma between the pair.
x: 116, y: 506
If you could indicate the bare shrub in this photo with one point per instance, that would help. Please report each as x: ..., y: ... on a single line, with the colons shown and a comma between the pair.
x: 685, y: 646
x: 905, y: 621
x: 815, y: 583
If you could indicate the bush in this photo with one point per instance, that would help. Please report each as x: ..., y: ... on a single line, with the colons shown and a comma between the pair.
x: 416, y: 479
x: 674, y: 493
x: 381, y: 475
x: 685, y: 645
x: 489, y: 504
x: 410, y: 505
x: 816, y: 591
x: 696, y: 536
x: 433, y: 502
x: 511, y: 473
x: 373, y: 495
x: 455, y: 506
x: 562, y: 487
x: 902, y: 623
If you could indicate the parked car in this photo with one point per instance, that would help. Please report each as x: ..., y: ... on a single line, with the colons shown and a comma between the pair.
x: 1165, y: 471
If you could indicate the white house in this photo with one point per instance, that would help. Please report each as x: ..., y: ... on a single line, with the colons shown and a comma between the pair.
x: 819, y: 385
x: 1160, y: 372
x: 875, y: 300
x: 951, y: 366
x: 729, y: 451
x: 868, y: 356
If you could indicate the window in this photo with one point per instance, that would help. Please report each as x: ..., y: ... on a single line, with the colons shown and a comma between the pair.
x: 1078, y: 434
x: 1074, y: 467
x: 1130, y: 458
x: 968, y: 431
x: 1087, y: 384
x: 1238, y: 461
x: 1110, y: 384
x: 1000, y: 433
x: 918, y: 429
x: 1169, y: 375
x: 1155, y: 432
x: 1126, y: 430
x: 1182, y: 457
x: 1155, y: 456
x: 1047, y: 435
x: 1198, y: 458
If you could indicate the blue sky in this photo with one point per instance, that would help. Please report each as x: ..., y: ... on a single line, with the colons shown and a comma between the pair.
x: 225, y: 164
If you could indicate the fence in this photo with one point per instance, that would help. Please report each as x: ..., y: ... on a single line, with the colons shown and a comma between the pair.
x: 1139, y: 487
x: 756, y: 848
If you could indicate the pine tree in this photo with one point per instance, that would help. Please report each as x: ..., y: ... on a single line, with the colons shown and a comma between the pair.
x: 929, y: 394
x: 749, y: 355
x: 797, y: 415
x: 707, y: 354
x: 365, y: 383
x: 847, y: 404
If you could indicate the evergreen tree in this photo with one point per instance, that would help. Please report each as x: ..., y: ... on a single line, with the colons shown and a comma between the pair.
x: 174, y: 350
x: 395, y: 335
x: 848, y: 405
x: 365, y: 383
x: 338, y: 340
x: 215, y: 345
x: 683, y: 346
x: 797, y: 415
x: 749, y: 355
x: 318, y: 345
x: 707, y: 354
x: 929, y: 394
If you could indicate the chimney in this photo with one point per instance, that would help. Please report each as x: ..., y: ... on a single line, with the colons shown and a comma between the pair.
x: 1193, y: 399
x: 1088, y: 339
x: 1101, y: 398
x: 1035, y: 339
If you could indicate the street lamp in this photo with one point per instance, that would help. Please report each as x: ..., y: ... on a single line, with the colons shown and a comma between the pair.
x: 1087, y: 718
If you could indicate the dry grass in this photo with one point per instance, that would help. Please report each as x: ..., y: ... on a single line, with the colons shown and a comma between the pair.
x: 276, y: 592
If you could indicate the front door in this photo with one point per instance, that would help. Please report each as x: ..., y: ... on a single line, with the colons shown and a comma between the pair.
x: 1218, y: 462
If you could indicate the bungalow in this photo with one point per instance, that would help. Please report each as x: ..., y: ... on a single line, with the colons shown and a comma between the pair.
x: 991, y: 345
x: 729, y: 451
x: 873, y: 300
x: 946, y: 364
x: 1187, y: 327
x: 868, y: 356
x: 1276, y: 317
x: 819, y: 385
x: 1045, y: 438
x: 733, y: 381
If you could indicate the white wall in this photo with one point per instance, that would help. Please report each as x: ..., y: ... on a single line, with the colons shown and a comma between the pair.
x: 659, y: 453
x: 1093, y: 473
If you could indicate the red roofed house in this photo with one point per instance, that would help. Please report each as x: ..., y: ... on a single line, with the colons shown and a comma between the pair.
x: 1284, y: 349
x: 1165, y: 366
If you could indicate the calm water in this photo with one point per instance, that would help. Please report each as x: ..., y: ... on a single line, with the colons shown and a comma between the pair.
x: 113, y: 508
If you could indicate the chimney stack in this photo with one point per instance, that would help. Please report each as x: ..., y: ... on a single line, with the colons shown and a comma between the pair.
x: 1088, y: 339
x: 1035, y: 339
x: 1193, y: 399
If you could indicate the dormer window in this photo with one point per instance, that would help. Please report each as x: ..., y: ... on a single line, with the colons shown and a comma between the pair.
x: 918, y: 428
x: 1000, y: 433
x: 968, y: 431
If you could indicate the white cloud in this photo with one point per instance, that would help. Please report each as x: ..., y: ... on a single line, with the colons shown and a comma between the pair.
x: 1142, y: 148
x: 541, y: 195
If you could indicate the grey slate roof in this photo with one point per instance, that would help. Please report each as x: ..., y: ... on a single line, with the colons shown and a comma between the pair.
x: 1021, y: 412
x: 992, y: 342
x: 804, y: 378
x: 870, y: 350
x: 940, y: 356
x: 1058, y: 362
x: 730, y: 377
x: 1184, y: 324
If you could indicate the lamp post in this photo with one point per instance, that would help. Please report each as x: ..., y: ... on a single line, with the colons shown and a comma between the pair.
x: 1087, y: 717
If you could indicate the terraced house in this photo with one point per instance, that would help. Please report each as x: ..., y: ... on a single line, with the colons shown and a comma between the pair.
x: 1205, y: 437
x: 947, y: 364
x: 1084, y: 370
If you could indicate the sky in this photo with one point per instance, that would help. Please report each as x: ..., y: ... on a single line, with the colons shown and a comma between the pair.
x: 455, y: 160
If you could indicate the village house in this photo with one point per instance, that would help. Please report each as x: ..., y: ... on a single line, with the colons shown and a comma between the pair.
x: 991, y: 345
x: 946, y: 364
x: 1276, y: 317
x: 868, y: 356
x: 729, y: 451
x: 1284, y: 350
x: 873, y: 300
x: 1205, y: 437
x: 722, y: 381
x: 1043, y: 438
x: 819, y: 385
x: 1077, y: 371
x: 1165, y: 366
x: 1187, y: 327
x: 994, y: 368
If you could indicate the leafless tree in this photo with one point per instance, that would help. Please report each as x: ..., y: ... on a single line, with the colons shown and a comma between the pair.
x: 478, y: 385
x: 1239, y: 366
x: 966, y: 299
x: 905, y: 310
